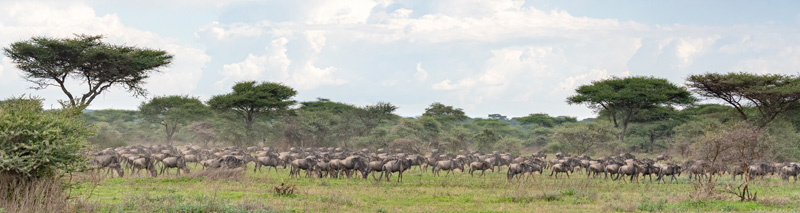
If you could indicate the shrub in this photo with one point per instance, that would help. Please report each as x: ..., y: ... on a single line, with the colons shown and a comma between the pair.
x: 36, y: 143
x: 35, y: 146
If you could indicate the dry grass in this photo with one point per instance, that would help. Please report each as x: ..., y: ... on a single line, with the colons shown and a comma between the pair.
x: 32, y: 195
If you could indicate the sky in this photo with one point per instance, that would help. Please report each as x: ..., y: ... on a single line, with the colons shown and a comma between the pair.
x: 485, y: 56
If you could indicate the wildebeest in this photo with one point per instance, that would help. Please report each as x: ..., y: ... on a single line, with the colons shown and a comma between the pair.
x: 302, y: 164
x: 630, y: 169
x: 174, y: 162
x: 671, y: 170
x: 146, y: 163
x: 561, y: 168
x: 791, y: 170
x: 270, y: 160
x: 479, y: 165
x: 399, y: 166
x: 449, y: 165
x: 107, y: 162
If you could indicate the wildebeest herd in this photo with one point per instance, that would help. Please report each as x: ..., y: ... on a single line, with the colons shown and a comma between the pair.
x: 330, y: 162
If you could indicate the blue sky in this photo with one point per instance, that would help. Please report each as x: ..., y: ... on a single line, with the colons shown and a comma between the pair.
x: 495, y: 56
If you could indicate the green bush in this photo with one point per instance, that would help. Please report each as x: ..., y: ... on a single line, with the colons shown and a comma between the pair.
x: 38, y: 143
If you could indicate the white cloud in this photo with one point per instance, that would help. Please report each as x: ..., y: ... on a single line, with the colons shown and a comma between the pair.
x: 339, y: 12
x: 421, y: 74
x: 317, y: 40
x: 276, y: 65
x: 688, y: 48
x: 785, y: 61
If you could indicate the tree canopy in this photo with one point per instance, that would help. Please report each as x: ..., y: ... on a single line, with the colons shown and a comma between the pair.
x: 172, y: 112
x: 444, y: 113
x: 251, y: 100
x: 545, y: 120
x: 623, y: 98
x: 54, y: 61
x: 769, y: 94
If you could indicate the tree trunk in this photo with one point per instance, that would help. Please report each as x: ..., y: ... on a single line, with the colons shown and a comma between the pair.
x: 622, y: 134
x: 169, y: 133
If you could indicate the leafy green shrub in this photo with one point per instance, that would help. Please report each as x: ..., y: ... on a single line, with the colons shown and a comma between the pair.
x: 38, y: 143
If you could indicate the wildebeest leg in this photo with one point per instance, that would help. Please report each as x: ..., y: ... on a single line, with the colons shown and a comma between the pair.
x: 400, y: 177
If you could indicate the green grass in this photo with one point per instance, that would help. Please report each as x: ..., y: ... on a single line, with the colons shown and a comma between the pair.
x: 419, y: 192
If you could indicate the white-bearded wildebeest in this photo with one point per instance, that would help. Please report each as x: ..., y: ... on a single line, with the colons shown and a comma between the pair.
x: 374, y: 166
x: 269, y: 160
x: 449, y: 165
x: 211, y: 164
x: 146, y: 163
x: 561, y: 168
x: 323, y: 168
x: 595, y: 168
x: 107, y: 162
x: 350, y: 164
x: 669, y: 169
x: 306, y: 164
x: 399, y: 165
x: 632, y: 169
x: 516, y: 168
x: 479, y: 165
x: 791, y: 170
x: 191, y: 158
x: 174, y: 162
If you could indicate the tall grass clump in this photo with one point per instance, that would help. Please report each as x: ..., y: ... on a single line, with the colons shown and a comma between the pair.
x: 38, y: 147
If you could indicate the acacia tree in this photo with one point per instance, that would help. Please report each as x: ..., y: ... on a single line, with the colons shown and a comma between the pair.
x: 770, y: 94
x: 172, y: 112
x: 53, y: 61
x: 250, y: 101
x: 624, y: 98
x: 444, y: 113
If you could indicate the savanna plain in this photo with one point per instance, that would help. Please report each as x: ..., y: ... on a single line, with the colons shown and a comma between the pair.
x: 245, y: 191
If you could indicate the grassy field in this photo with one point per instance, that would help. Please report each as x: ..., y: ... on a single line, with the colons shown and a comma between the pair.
x: 246, y: 191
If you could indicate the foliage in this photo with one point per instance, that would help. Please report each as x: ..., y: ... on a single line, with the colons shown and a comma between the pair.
x: 172, y: 112
x: 250, y: 101
x: 510, y: 145
x: 690, y: 133
x: 54, y: 61
x: 539, y: 136
x: 624, y: 98
x: 486, y: 139
x: 584, y: 137
x: 770, y: 94
x: 656, y: 123
x: 545, y: 120
x: 502, y: 128
x: 444, y: 113
x: 786, y: 141
x: 36, y: 143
